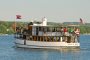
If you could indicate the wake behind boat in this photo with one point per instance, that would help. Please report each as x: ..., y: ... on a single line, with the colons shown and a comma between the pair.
x: 41, y: 35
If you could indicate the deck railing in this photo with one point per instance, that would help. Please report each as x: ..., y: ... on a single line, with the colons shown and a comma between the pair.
x: 68, y: 39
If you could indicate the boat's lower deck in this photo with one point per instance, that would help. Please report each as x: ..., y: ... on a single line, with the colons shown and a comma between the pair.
x: 40, y: 44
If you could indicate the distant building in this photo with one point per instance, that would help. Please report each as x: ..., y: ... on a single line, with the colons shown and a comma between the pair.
x: 71, y: 23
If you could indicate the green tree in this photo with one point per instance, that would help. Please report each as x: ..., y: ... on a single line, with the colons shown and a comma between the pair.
x: 2, y: 29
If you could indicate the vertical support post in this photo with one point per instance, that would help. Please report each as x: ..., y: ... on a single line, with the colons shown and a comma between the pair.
x: 61, y: 39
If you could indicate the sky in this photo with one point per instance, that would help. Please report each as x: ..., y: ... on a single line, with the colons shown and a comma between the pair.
x: 53, y: 10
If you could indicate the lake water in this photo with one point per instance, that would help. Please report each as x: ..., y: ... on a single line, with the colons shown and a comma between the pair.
x: 8, y: 51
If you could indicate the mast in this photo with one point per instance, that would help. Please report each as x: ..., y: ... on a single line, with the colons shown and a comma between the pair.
x: 17, y: 17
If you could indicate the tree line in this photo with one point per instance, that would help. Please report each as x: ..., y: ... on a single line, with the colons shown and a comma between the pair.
x: 7, y: 27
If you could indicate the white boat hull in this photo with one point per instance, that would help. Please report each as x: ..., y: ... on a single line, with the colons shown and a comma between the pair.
x: 42, y: 44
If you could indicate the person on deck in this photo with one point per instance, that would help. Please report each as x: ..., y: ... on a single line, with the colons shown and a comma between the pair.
x: 77, y: 33
x: 71, y: 31
x: 65, y: 31
x: 61, y: 30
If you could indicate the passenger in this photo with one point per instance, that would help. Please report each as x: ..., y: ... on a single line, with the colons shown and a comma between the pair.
x: 65, y: 31
x: 77, y: 34
x: 18, y: 30
x: 24, y: 33
x: 71, y: 31
x: 65, y: 34
x: 61, y: 30
x: 77, y: 31
x: 45, y: 34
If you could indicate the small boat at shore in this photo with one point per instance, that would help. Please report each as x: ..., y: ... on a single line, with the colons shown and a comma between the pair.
x: 41, y: 35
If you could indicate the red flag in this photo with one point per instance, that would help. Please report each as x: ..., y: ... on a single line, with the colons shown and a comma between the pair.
x: 81, y: 21
x: 18, y: 16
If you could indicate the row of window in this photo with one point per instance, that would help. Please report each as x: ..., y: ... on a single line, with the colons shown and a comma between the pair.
x: 67, y: 39
x: 47, y: 29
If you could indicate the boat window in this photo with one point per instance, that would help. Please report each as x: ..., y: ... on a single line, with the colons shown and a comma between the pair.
x: 37, y: 30
x: 53, y: 29
x: 44, y: 29
x: 40, y: 28
x: 48, y: 29
x: 58, y: 29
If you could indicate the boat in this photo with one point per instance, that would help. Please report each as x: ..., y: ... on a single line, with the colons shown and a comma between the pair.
x: 41, y: 35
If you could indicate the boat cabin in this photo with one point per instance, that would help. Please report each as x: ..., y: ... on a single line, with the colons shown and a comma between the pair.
x: 48, y: 33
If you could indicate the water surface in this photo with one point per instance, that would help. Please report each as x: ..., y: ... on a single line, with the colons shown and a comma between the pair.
x: 8, y: 51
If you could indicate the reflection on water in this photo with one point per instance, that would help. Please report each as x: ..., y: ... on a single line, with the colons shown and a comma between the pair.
x: 49, y: 54
x: 48, y: 50
x: 10, y: 52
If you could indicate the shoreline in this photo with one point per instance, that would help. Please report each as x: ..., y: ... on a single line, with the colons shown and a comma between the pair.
x: 85, y: 34
x: 13, y: 34
x: 5, y: 34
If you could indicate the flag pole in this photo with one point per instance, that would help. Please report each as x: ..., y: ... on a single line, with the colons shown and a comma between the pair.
x: 15, y: 25
x: 17, y: 17
x: 15, y: 22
